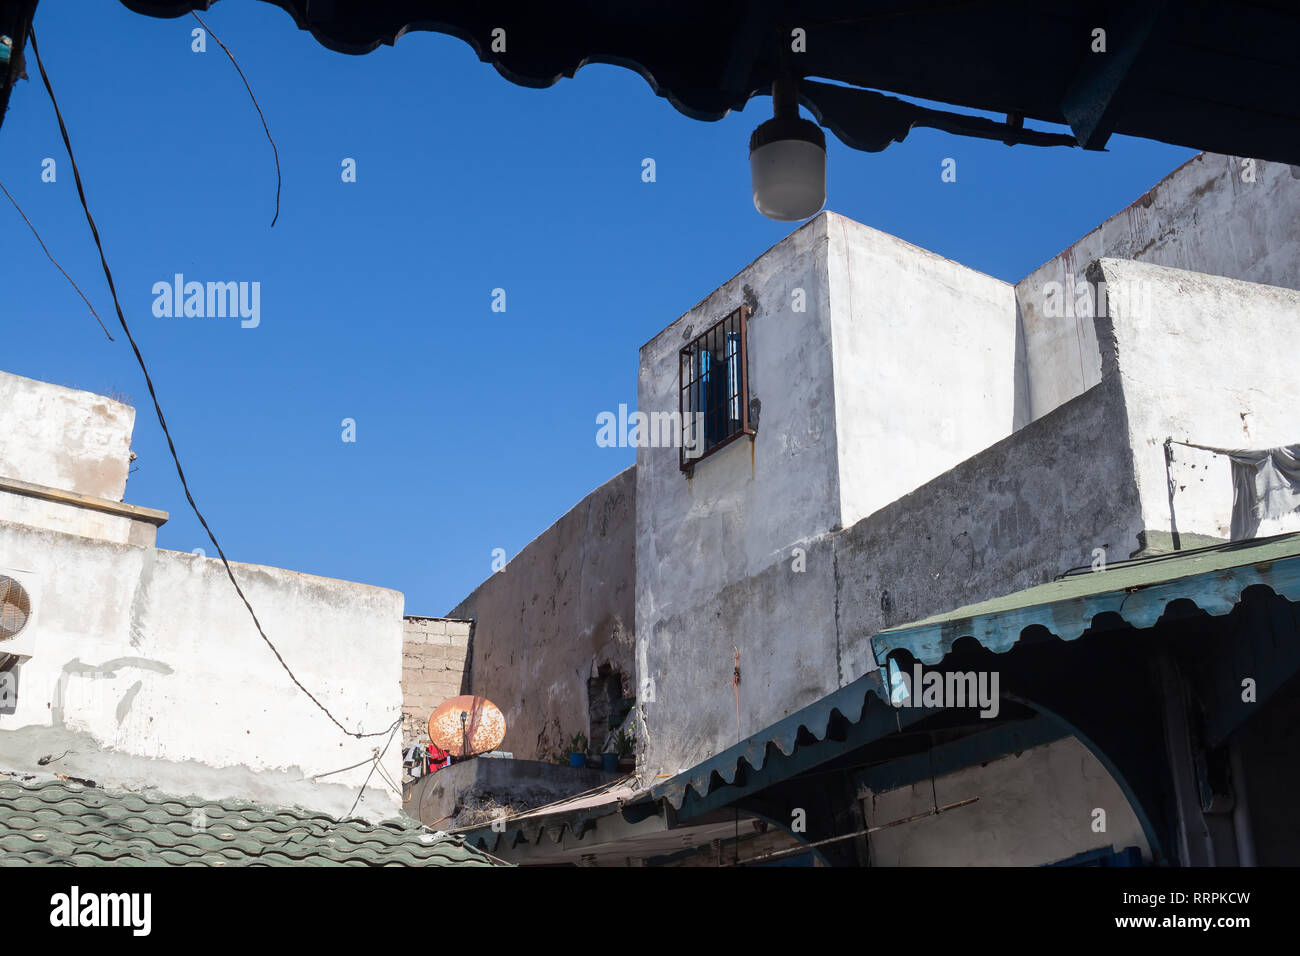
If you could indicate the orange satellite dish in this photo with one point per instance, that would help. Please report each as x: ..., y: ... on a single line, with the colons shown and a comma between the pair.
x: 467, y: 725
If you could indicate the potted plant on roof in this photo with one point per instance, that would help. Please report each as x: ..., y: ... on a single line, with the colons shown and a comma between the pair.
x: 625, y: 747
x: 578, y: 750
x: 609, y: 755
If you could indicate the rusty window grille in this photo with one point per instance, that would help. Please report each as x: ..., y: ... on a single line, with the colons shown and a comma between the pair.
x: 714, y: 389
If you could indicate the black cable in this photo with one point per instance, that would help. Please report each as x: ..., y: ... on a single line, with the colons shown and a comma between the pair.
x: 50, y: 256
x: 153, y: 395
x: 266, y: 128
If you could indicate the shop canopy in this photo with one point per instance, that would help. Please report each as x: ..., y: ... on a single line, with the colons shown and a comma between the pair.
x: 1206, y: 74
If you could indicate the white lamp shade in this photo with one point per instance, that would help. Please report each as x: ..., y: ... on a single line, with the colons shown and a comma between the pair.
x: 789, y: 178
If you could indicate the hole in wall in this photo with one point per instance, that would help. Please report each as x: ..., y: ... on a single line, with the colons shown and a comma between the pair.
x: 608, y: 702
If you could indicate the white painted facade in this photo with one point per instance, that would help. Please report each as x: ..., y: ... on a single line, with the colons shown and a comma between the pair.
x: 146, y: 671
x: 900, y: 365
x: 1206, y: 360
x: 1214, y: 214
x: 923, y: 351
x: 64, y: 438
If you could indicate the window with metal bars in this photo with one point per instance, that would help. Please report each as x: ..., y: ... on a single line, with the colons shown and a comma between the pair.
x: 714, y: 393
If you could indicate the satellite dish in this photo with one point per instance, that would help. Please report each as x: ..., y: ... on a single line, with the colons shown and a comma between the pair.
x: 467, y: 725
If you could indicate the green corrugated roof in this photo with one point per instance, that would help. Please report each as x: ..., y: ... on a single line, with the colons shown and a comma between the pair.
x: 62, y: 822
x: 1138, y: 591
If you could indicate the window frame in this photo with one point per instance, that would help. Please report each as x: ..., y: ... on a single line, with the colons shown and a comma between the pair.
x: 741, y: 316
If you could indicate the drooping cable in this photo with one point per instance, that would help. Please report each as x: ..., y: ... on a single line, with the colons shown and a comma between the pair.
x: 257, y: 107
x: 50, y: 256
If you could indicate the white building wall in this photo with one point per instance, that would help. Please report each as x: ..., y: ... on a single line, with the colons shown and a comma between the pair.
x: 1035, y: 807
x: 901, y: 366
x: 741, y: 512
x: 142, y: 668
x: 149, y: 671
x: 924, y: 359
x: 64, y: 438
x: 74, y: 518
x: 1206, y: 360
x: 1204, y: 217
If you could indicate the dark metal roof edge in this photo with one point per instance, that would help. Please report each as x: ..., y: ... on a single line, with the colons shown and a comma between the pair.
x: 578, y: 822
x: 532, y: 77
x: 850, y: 702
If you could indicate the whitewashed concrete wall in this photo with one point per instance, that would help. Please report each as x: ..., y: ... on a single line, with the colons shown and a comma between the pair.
x: 1201, y: 359
x: 1035, y: 807
x: 924, y: 354
x: 102, y: 518
x: 64, y: 438
x: 1203, y: 217
x: 738, y: 515
x: 150, y: 673
x: 901, y: 366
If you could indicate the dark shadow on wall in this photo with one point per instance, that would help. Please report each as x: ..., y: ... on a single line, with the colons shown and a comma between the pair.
x: 1021, y: 412
x: 467, y: 676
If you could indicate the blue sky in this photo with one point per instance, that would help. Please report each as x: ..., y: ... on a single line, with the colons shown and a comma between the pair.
x: 475, y: 429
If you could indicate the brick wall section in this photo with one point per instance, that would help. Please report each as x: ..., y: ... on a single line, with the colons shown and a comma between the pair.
x: 434, y: 652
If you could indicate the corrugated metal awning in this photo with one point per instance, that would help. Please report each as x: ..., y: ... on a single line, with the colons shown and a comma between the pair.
x: 1135, y: 593
x: 856, y: 714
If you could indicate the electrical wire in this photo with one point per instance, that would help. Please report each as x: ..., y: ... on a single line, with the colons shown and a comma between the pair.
x: 374, y: 765
x: 162, y: 421
x: 330, y: 773
x: 50, y: 256
x: 266, y: 128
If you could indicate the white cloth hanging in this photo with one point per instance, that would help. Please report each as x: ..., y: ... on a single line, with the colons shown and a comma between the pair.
x: 1265, y: 485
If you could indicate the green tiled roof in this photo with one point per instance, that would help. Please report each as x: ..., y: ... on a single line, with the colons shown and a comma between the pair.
x: 65, y: 823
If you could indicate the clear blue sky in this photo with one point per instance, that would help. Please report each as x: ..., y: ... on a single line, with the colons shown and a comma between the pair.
x: 475, y: 429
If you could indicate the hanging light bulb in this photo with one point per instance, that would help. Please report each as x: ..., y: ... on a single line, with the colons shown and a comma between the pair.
x: 787, y: 160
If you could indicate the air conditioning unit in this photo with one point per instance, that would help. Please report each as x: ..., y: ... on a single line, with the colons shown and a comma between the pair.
x: 19, y: 604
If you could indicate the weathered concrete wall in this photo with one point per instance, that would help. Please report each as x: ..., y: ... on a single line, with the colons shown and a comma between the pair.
x: 559, y: 609
x: 747, y: 556
x: 435, y: 652
x: 1201, y: 359
x: 476, y: 791
x: 150, y: 674
x: 1035, y: 807
x: 1202, y: 217
x: 1018, y: 514
x: 46, y: 507
x: 64, y: 438
x: 707, y: 544
x: 1033, y: 506
x: 924, y: 354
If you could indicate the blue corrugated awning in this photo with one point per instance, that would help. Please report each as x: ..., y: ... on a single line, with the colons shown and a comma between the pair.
x: 1136, y: 593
